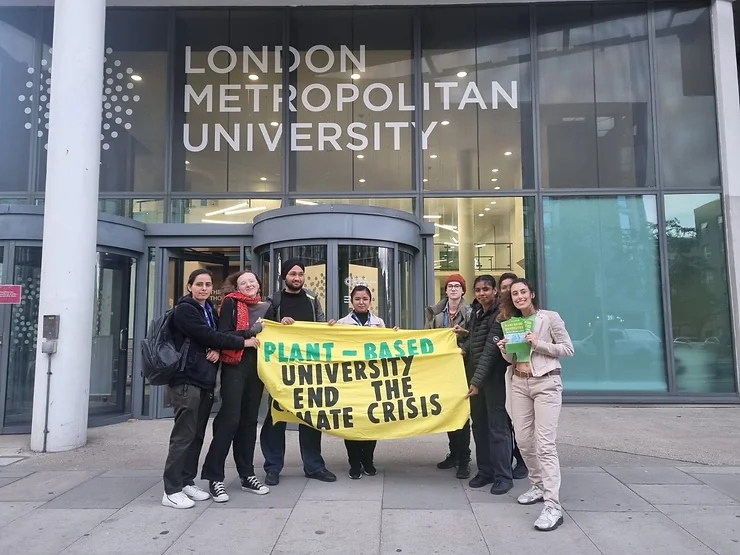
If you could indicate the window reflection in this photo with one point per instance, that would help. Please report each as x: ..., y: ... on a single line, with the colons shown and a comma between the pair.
x: 481, y: 236
x: 219, y: 211
x: 601, y: 262
x: 476, y: 72
x: 702, y: 328
x: 353, y: 121
x: 403, y: 204
x: 150, y: 211
x: 594, y: 91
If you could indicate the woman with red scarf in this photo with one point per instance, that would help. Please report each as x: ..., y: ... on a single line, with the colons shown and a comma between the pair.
x: 241, y: 389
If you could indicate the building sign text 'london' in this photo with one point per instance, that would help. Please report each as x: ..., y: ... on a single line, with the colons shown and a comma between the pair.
x: 259, y: 98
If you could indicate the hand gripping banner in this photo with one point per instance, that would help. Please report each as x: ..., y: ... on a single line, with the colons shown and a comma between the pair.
x: 364, y: 383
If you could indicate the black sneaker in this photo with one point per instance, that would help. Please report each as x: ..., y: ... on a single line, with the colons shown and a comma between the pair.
x: 480, y: 481
x: 253, y: 485
x: 449, y: 462
x: 272, y: 478
x: 355, y: 473
x: 463, y: 471
x: 501, y: 488
x: 322, y: 476
x: 520, y: 471
x: 218, y: 492
x: 369, y: 469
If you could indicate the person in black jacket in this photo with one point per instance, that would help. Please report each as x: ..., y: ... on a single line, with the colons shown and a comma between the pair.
x: 486, y: 371
x: 240, y: 313
x: 191, y: 390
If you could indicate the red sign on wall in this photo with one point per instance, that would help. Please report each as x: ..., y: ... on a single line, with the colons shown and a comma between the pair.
x: 10, y: 294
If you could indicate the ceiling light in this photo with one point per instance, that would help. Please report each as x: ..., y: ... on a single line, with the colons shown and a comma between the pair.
x: 274, y: 123
x: 462, y: 73
x: 220, y: 222
x: 480, y: 245
x: 445, y: 122
x: 245, y: 210
x: 435, y: 235
x: 253, y: 77
x: 362, y: 181
x: 450, y: 244
x: 507, y: 153
x: 306, y: 202
x: 355, y: 76
x: 360, y: 156
x: 433, y: 156
x: 425, y: 180
x: 229, y: 208
x: 487, y: 208
x: 496, y: 188
x: 135, y: 77
x: 480, y: 214
x: 451, y: 228
x: 494, y: 170
x: 494, y: 179
x: 187, y: 162
x: 263, y: 179
x: 433, y: 216
x: 493, y: 202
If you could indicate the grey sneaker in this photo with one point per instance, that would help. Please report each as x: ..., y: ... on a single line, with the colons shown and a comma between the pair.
x: 550, y: 518
x: 531, y: 496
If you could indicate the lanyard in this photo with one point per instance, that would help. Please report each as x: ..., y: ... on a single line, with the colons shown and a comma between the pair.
x: 209, y: 317
x: 359, y: 323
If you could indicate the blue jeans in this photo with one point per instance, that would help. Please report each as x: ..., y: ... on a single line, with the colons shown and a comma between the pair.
x: 272, y: 441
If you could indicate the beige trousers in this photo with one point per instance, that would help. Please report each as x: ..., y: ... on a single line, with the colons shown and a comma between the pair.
x: 535, y: 410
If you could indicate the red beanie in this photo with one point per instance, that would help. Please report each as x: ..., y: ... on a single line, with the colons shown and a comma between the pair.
x: 458, y: 278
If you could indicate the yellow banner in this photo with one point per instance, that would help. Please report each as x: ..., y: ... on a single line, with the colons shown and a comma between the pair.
x: 364, y: 383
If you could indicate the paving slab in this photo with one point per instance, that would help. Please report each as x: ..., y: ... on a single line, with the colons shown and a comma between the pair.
x: 509, y: 530
x: 717, y: 527
x: 729, y: 484
x: 49, y: 532
x: 283, y: 496
x: 12, y: 510
x: 579, y: 469
x: 484, y: 495
x: 103, y: 493
x: 133, y: 473
x: 599, y: 492
x: 253, y: 531
x: 14, y: 472
x: 421, y: 532
x: 45, y: 486
x: 142, y: 530
x: 367, y: 488
x: 7, y: 461
x: 413, y: 491
x: 682, y: 495
x: 650, y: 475
x: 6, y: 481
x: 622, y: 533
x: 329, y: 527
x: 710, y: 469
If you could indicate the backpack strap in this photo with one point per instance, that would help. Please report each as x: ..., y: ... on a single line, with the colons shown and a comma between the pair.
x: 275, y: 300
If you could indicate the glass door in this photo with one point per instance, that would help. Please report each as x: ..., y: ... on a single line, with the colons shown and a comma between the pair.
x: 371, y: 266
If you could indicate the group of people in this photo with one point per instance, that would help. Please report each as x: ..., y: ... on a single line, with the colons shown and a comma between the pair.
x: 528, y: 397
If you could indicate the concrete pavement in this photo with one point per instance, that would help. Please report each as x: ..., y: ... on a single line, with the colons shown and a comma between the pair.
x: 654, y: 494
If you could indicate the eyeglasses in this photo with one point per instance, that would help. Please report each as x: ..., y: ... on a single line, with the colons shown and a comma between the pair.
x: 454, y: 286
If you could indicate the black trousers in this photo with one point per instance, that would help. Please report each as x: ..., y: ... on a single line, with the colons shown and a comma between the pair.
x: 236, y: 421
x: 460, y: 443
x: 192, y: 409
x: 492, y: 434
x: 360, y: 452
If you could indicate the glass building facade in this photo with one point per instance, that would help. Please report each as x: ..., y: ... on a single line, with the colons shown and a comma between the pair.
x: 575, y: 144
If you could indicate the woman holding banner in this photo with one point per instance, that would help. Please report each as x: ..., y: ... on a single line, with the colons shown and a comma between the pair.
x: 241, y: 389
x: 534, y: 341
x: 360, y: 453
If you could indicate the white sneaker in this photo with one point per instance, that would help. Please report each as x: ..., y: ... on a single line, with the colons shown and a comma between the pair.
x: 177, y: 501
x: 195, y: 493
x: 550, y: 518
x: 218, y: 492
x: 531, y: 496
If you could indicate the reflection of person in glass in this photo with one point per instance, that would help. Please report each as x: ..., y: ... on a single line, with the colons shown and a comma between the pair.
x: 453, y: 312
x: 293, y: 304
x: 360, y: 453
x: 241, y: 389
x: 520, y: 470
x: 191, y: 390
x: 536, y: 398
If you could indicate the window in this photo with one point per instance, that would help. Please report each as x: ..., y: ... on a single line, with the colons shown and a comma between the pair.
x: 604, y: 280
x: 595, y: 95
x: 700, y: 308
x: 403, y: 204
x: 476, y: 74
x: 219, y: 211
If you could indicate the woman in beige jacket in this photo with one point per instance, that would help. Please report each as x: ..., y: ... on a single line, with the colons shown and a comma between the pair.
x: 536, y: 397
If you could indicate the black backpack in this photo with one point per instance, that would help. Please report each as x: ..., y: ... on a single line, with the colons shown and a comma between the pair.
x: 161, y: 359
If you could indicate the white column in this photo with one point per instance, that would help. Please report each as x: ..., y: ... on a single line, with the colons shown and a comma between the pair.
x: 70, y: 222
x: 728, y: 118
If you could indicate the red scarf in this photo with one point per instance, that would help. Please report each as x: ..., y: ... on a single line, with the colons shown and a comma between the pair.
x: 242, y: 302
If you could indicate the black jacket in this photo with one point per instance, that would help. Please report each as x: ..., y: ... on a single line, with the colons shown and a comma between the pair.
x: 190, y: 322
x: 273, y: 313
x: 475, y: 342
x: 491, y: 368
x: 227, y: 324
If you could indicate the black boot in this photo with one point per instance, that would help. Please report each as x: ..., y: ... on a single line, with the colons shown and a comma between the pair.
x: 449, y: 462
x: 463, y: 471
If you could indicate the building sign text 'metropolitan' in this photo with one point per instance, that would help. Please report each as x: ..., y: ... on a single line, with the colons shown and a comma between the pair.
x: 329, y: 92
